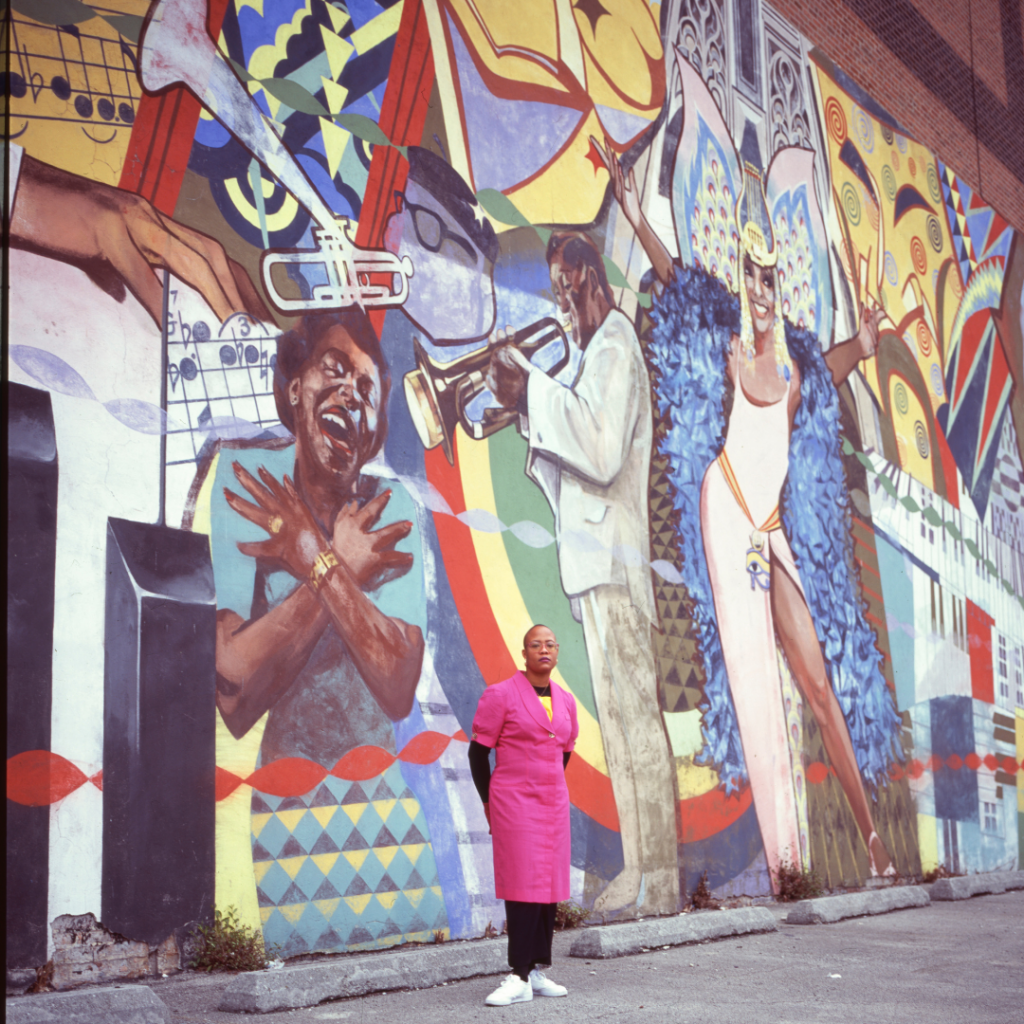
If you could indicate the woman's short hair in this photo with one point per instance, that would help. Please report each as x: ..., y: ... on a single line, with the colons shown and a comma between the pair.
x: 295, y: 347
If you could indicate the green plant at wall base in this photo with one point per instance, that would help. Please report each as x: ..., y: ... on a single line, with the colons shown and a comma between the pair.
x: 701, y: 898
x: 228, y: 945
x: 797, y: 884
x: 569, y: 915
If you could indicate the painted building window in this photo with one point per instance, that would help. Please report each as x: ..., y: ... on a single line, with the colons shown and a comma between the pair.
x: 951, y: 842
x: 747, y: 29
x: 1018, y: 674
x: 989, y: 816
x: 938, y: 611
x: 1004, y: 673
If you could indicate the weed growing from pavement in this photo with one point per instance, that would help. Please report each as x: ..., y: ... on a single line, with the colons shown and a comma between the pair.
x: 228, y: 945
x: 936, y: 873
x: 701, y: 898
x: 797, y: 884
x: 569, y: 915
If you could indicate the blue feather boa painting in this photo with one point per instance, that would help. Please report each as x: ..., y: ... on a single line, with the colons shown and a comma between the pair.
x: 695, y: 319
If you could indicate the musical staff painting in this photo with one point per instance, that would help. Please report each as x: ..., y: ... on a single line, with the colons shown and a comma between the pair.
x: 220, y: 379
x: 73, y: 91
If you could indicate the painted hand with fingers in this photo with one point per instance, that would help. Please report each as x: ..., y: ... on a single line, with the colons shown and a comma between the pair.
x: 867, y: 335
x: 508, y: 370
x: 369, y: 554
x: 117, y: 238
x: 627, y: 195
x: 295, y: 539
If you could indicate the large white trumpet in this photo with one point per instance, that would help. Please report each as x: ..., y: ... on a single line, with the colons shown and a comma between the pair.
x: 176, y: 49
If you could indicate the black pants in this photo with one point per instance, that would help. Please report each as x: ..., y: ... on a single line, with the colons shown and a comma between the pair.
x: 530, y: 927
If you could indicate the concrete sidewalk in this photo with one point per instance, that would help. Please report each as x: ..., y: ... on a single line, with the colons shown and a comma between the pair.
x: 954, y: 956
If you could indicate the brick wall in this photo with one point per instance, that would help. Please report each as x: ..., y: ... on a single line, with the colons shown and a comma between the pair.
x: 950, y: 71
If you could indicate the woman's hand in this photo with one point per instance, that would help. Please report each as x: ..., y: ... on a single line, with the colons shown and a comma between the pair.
x: 295, y: 538
x: 626, y: 193
x: 867, y: 336
x: 370, y: 554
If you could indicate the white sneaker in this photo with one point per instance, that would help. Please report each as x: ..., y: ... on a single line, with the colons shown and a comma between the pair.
x: 544, y: 986
x: 512, y: 990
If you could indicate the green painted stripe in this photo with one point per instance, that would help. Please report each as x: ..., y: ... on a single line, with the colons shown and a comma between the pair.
x: 517, y: 498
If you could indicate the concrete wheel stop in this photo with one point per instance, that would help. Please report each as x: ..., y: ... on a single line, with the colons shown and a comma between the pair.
x: 130, y: 1004
x: 603, y: 941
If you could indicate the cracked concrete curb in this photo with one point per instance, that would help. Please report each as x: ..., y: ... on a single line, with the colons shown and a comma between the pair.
x: 829, y: 909
x: 133, y: 1004
x: 290, y: 988
x: 965, y: 887
x: 606, y: 941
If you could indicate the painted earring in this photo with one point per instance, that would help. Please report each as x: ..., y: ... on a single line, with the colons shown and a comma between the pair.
x: 295, y: 399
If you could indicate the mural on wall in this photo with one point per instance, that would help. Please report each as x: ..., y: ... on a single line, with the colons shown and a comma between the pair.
x: 368, y: 334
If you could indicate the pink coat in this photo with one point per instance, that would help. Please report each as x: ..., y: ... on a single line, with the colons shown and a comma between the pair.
x: 529, y: 801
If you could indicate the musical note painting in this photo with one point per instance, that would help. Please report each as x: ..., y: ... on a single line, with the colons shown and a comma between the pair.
x: 350, y: 339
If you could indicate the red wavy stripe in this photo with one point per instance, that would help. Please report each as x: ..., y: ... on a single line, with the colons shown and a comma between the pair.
x: 362, y: 763
x: 290, y: 776
x: 38, y: 778
x: 424, y: 748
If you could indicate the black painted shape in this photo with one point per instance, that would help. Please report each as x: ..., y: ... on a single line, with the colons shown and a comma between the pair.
x: 31, y: 559
x: 915, y: 42
x: 158, y: 730
x: 908, y: 198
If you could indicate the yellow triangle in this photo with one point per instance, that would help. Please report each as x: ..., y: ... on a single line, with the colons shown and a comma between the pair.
x: 335, y: 143
x: 325, y: 861
x: 338, y: 51
x: 415, y: 896
x: 413, y: 851
x: 291, y: 818
x: 386, y: 899
x: 384, y: 808
x: 386, y: 854
x: 436, y: 890
x: 356, y: 857
x: 327, y: 907
x: 323, y: 814
x: 256, y: 5
x: 334, y: 94
x: 339, y: 19
x: 411, y: 806
x: 292, y: 865
x: 258, y: 822
x: 358, y: 903
x: 260, y: 868
x: 354, y: 811
x: 293, y: 911
x: 265, y: 913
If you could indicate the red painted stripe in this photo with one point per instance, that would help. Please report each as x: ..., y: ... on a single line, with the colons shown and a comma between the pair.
x: 464, y: 576
x: 403, y: 114
x: 162, y: 136
x: 702, y: 817
x: 864, y: 565
x: 868, y: 590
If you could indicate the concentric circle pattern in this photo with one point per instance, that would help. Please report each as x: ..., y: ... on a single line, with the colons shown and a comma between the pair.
x: 851, y: 203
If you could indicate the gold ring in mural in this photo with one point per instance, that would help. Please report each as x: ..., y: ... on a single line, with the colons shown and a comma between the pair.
x: 275, y: 524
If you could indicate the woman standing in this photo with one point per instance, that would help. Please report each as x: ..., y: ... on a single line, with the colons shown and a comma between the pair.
x: 532, y: 724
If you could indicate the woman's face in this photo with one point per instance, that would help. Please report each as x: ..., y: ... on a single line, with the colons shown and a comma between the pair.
x: 541, y: 651
x: 337, y: 398
x: 760, y: 284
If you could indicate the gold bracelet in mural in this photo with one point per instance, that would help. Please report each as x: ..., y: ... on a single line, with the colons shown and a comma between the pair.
x: 324, y: 563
